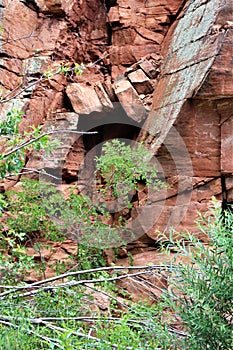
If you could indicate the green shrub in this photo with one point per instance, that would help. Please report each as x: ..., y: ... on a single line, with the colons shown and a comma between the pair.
x: 15, y: 146
x: 202, y: 295
x: 200, y: 301
x: 123, y: 166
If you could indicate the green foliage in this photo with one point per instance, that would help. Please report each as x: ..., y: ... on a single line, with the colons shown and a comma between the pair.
x: 28, y: 210
x: 203, y: 289
x: 122, y: 166
x: 16, y: 145
x: 53, y: 319
x: 39, y: 210
x: 200, y: 296
x: 68, y: 70
x: 13, y: 267
x: 10, y: 126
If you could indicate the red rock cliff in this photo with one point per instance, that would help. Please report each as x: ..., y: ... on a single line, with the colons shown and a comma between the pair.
x: 168, y: 64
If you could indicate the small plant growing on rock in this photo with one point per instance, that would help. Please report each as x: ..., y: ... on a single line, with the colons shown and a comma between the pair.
x: 15, y: 145
x: 122, y: 167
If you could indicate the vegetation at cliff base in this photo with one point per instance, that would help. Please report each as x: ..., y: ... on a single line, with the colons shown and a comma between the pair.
x: 195, y: 312
x: 87, y: 307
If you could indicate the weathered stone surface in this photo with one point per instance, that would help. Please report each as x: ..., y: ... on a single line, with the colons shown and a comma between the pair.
x: 192, y: 69
x: 201, y: 136
x: 35, y: 65
x: 175, y: 207
x: 130, y: 100
x: 227, y: 142
x: 74, y: 160
x: 86, y: 99
x: 138, y: 28
x: 151, y: 65
x: 53, y: 254
x: 191, y: 53
x: 14, y: 66
x: 140, y: 81
x: 51, y: 6
x: 33, y: 36
x: 229, y: 189
x: 67, y: 122
x: 9, y: 80
x: 219, y: 82
x: 185, y: 61
x: 148, y: 286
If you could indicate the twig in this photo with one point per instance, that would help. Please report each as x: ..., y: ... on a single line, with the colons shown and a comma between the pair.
x: 80, y: 318
x: 108, y: 295
x: 4, y: 100
x: 27, y: 143
x: 43, y: 77
x: 88, y: 336
x: 76, y: 283
x: 43, y: 338
x: 53, y: 327
x: 144, y: 282
x: 20, y: 38
x: 30, y: 171
x: 76, y: 273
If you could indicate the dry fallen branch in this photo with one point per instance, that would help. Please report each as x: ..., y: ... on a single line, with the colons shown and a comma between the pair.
x: 38, y: 284
x: 76, y: 283
x: 43, y: 338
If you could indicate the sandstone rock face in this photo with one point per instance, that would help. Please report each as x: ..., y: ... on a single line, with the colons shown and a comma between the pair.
x: 138, y: 28
x: 185, y: 99
x: 86, y: 98
x: 168, y: 64
x: 134, y: 89
x: 69, y: 143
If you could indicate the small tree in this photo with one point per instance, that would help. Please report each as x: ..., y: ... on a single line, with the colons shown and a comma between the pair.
x: 123, y: 166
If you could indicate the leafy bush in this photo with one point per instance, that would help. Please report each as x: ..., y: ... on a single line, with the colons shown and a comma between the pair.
x: 39, y: 210
x: 63, y: 318
x: 15, y: 146
x: 195, y: 313
x: 202, y: 294
x: 123, y: 166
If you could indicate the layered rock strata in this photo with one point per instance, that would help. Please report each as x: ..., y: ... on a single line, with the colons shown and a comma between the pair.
x: 168, y: 64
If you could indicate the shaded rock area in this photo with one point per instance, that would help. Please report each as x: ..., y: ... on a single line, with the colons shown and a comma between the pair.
x: 154, y: 71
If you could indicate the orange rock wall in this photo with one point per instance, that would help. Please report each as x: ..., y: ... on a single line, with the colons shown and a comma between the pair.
x: 169, y: 65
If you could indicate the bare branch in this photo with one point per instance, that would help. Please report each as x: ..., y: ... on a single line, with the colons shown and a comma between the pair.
x: 27, y: 143
x: 19, y: 39
x: 108, y: 295
x: 38, y: 284
x: 5, y: 99
x: 44, y: 77
x: 31, y: 171
x: 76, y: 283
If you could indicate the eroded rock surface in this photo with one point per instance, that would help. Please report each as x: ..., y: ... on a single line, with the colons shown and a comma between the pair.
x: 167, y: 63
x: 189, y: 99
